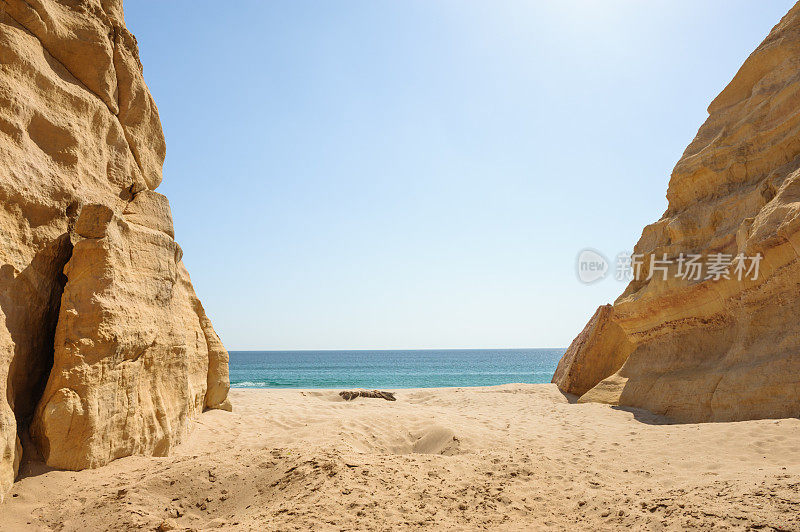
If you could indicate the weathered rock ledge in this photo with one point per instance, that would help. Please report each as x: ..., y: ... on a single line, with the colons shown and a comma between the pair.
x: 726, y: 349
x: 105, y: 350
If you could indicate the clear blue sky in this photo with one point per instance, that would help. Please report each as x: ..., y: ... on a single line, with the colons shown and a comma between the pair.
x: 422, y: 174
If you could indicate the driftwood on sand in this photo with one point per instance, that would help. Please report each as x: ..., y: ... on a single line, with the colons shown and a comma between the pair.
x: 374, y: 394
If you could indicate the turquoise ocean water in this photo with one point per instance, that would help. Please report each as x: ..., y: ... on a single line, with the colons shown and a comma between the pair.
x: 391, y: 369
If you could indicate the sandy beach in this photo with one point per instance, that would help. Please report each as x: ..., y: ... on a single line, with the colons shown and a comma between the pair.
x: 507, y: 457
x: 396, y: 195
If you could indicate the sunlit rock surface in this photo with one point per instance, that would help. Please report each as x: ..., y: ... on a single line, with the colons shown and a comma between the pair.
x: 105, y: 350
x: 725, y: 349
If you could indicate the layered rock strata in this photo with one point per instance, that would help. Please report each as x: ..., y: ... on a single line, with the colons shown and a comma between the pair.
x: 715, y: 348
x: 105, y: 350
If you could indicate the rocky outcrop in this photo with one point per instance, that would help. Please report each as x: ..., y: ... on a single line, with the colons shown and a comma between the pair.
x: 597, y: 352
x: 105, y: 350
x: 369, y: 394
x: 715, y: 349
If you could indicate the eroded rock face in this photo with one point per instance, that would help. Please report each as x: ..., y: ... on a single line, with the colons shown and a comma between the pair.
x: 597, y: 352
x: 99, y: 324
x: 726, y: 349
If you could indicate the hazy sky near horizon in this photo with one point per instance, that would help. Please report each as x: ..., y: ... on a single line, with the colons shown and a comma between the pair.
x: 422, y: 174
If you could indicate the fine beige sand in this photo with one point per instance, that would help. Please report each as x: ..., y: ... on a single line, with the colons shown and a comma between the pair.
x: 508, y: 457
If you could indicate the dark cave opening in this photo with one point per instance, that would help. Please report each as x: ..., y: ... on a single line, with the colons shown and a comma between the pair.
x: 31, y: 301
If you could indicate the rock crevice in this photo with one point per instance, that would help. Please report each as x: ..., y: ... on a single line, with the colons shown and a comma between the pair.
x: 105, y: 349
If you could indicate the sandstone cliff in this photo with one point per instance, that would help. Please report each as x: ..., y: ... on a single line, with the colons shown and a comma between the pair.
x: 105, y: 350
x: 726, y: 349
